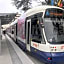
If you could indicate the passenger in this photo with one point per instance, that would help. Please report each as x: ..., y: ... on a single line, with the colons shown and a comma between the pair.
x: 4, y: 32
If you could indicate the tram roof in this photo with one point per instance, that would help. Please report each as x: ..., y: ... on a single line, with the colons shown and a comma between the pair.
x: 39, y: 9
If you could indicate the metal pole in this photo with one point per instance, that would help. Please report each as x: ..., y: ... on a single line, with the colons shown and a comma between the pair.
x: 0, y: 36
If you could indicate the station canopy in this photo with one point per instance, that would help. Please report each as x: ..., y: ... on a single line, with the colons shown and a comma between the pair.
x: 6, y: 18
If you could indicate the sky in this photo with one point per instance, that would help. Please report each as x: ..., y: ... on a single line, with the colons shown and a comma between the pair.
x: 6, y: 6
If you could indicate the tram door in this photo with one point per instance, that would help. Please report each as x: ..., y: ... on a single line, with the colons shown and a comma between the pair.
x: 28, y: 32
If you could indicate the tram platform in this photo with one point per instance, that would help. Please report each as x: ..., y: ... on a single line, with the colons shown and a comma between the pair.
x: 11, y: 53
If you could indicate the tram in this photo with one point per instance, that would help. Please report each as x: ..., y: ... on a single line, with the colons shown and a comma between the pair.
x: 41, y: 31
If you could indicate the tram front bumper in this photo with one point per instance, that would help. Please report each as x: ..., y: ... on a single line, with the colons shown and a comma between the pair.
x: 58, y: 58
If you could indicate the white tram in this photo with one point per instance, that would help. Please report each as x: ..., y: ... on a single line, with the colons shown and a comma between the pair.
x: 41, y: 31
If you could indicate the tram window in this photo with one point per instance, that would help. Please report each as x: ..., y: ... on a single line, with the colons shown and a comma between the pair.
x: 36, y: 32
x: 25, y: 28
x: 54, y: 26
x: 36, y: 29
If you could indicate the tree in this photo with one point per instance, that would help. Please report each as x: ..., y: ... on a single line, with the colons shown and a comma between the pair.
x: 20, y: 3
x: 48, y: 2
x: 25, y: 4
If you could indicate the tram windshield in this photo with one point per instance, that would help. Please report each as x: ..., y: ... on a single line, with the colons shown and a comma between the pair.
x: 54, y: 26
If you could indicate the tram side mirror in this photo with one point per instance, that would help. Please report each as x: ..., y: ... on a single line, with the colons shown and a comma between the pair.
x: 41, y: 22
x: 42, y: 25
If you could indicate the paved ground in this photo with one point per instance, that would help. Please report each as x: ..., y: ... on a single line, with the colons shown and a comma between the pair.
x: 12, y: 54
x: 5, y: 57
x: 23, y: 57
